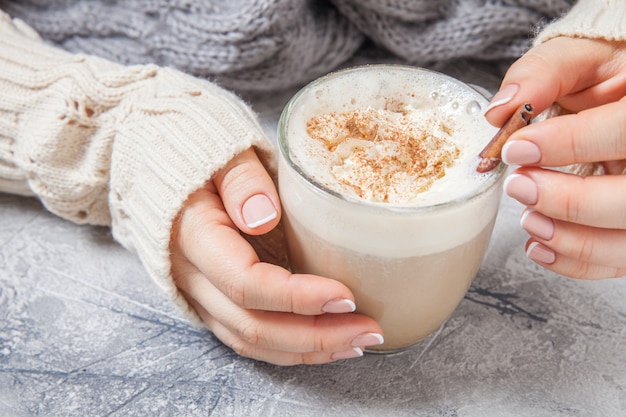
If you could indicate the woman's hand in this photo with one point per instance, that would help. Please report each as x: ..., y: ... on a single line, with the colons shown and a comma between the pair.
x: 577, y: 224
x: 259, y: 309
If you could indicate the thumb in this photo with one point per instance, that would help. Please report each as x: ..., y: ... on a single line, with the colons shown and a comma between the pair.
x: 550, y: 72
x: 248, y: 194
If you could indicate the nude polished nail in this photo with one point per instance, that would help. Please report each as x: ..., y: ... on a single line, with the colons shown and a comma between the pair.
x: 538, y: 225
x: 339, y: 306
x: 540, y: 253
x: 520, y: 152
x: 521, y: 188
x: 348, y: 354
x: 368, y: 339
x: 258, y: 210
x: 502, y: 97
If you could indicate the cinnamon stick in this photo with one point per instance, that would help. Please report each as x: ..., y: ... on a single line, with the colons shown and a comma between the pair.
x: 491, y: 155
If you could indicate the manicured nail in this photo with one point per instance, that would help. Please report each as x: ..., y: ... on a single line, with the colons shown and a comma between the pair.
x: 540, y: 253
x: 368, y: 339
x: 538, y: 225
x: 502, y: 97
x: 348, y: 354
x: 339, y: 306
x: 520, y: 152
x: 521, y: 188
x: 258, y: 210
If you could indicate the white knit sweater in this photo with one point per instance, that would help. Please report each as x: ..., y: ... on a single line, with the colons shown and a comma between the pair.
x: 124, y: 146
x: 104, y: 144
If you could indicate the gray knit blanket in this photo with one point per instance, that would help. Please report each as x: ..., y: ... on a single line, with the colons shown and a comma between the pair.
x: 261, y: 45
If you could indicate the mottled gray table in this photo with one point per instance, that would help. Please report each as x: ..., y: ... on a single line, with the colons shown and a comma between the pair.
x: 84, y: 332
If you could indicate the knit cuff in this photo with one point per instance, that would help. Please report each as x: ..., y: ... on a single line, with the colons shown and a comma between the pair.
x: 171, y: 141
x: 101, y: 143
x: 596, y: 19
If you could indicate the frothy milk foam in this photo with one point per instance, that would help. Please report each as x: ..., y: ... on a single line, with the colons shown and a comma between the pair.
x: 424, y: 101
x: 382, y: 249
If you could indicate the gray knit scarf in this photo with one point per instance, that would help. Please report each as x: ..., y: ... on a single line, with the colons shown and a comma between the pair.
x: 261, y: 45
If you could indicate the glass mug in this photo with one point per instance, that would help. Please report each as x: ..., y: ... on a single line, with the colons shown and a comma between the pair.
x: 408, y: 265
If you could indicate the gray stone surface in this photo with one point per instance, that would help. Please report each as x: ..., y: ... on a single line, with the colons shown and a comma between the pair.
x: 84, y: 332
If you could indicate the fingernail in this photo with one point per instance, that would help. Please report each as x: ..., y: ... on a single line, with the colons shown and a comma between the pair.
x: 368, y: 339
x: 258, y: 210
x: 503, y: 96
x: 339, y: 306
x: 348, y: 354
x: 520, y: 152
x: 540, y: 253
x: 521, y: 188
x: 537, y: 224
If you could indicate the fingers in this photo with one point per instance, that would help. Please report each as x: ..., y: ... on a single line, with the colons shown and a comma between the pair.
x: 208, y: 239
x: 591, y: 201
x: 592, y: 135
x: 570, y: 267
x: 259, y: 309
x: 577, y: 225
x: 575, y: 250
x: 282, y: 338
x: 577, y: 73
x: 248, y: 194
x: 275, y: 357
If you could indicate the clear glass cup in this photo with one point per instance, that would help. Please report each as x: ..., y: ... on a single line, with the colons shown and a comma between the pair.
x: 408, y: 266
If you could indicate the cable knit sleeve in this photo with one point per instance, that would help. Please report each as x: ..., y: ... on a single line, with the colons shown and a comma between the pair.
x: 598, y: 19
x: 104, y: 144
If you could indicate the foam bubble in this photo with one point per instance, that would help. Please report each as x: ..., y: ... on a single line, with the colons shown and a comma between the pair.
x: 473, y: 107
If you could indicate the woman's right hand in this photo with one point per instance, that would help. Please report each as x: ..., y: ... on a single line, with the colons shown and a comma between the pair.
x: 577, y: 224
x: 260, y: 310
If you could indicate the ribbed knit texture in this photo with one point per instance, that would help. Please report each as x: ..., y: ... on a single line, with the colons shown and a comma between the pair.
x: 271, y: 44
x: 600, y: 19
x: 105, y: 144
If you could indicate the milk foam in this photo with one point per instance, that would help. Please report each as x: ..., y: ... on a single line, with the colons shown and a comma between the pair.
x: 424, y: 99
x: 453, y: 211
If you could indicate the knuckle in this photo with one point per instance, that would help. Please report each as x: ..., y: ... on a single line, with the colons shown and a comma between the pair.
x: 574, y: 145
x: 306, y: 359
x: 582, y: 270
x: 235, y: 178
x: 229, y: 180
x: 532, y: 59
x: 572, y: 207
x: 586, y: 247
x: 251, y: 333
x: 242, y: 349
x: 232, y: 339
x: 236, y: 291
x: 290, y: 300
x: 313, y: 359
x: 317, y: 343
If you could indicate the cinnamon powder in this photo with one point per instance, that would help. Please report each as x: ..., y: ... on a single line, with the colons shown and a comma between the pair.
x: 385, y: 155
